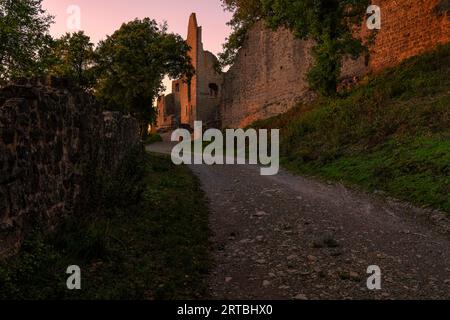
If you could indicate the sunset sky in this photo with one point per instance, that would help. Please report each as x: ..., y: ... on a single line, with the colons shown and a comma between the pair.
x: 102, y: 17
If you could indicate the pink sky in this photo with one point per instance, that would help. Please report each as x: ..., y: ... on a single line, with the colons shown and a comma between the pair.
x: 102, y: 17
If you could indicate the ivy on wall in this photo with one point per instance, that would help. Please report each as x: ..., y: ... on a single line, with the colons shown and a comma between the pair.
x: 330, y: 23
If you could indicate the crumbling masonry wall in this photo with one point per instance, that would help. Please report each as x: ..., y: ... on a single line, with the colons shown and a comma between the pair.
x: 268, y: 77
x: 198, y: 99
x: 408, y: 28
x: 51, y: 135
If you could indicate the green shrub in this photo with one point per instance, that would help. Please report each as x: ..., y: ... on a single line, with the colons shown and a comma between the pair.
x: 153, y: 138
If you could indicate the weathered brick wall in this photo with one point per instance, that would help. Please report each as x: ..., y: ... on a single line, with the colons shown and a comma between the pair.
x: 50, y: 136
x: 408, y: 28
x: 267, y: 78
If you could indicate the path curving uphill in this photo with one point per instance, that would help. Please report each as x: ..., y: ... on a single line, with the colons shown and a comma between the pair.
x: 288, y: 237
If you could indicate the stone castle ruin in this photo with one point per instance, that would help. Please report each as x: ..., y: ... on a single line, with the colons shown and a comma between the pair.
x: 268, y: 76
x: 198, y: 99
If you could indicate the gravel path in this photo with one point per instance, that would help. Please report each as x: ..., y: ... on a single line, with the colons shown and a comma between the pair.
x: 287, y: 237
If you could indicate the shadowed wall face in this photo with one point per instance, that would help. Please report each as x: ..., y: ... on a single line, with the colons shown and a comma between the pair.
x: 168, y: 111
x: 51, y: 138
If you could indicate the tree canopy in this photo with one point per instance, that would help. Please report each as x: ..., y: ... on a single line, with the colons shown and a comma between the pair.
x: 330, y: 23
x: 246, y: 13
x: 72, y: 56
x: 24, y: 37
x: 132, y: 63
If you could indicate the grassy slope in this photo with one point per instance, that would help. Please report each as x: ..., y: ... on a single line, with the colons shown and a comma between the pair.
x: 147, y: 240
x: 392, y: 133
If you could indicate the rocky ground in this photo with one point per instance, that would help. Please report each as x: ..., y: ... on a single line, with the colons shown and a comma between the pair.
x: 287, y: 237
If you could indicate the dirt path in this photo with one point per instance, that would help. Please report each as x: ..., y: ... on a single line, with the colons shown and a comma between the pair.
x: 286, y: 237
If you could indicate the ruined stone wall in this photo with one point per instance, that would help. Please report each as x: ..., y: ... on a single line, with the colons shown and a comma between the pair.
x: 194, y: 101
x: 268, y: 77
x: 168, y: 111
x: 51, y: 135
x: 208, y: 100
x: 408, y: 28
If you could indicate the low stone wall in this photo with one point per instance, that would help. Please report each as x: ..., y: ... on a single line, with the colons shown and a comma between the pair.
x: 51, y: 135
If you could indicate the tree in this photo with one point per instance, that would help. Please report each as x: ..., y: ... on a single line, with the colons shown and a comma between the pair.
x: 246, y: 13
x: 132, y: 63
x: 330, y: 23
x: 72, y: 56
x: 24, y: 29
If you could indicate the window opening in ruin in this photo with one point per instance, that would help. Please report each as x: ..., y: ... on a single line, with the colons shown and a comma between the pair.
x: 177, y: 87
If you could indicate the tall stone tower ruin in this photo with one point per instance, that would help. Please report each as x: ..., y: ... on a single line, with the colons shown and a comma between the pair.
x: 198, y: 99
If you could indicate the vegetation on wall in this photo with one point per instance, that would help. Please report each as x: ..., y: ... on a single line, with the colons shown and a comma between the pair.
x: 390, y: 134
x: 245, y: 14
x: 330, y: 23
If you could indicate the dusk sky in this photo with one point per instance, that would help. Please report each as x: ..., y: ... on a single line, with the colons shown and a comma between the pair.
x: 102, y: 17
